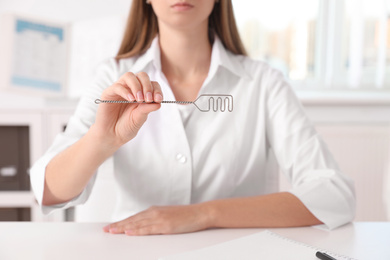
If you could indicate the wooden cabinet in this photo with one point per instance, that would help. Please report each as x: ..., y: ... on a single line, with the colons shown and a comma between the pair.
x: 14, y: 158
x: 15, y: 214
x: 25, y: 134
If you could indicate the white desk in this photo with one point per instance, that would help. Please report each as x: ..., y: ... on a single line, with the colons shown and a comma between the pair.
x: 26, y: 240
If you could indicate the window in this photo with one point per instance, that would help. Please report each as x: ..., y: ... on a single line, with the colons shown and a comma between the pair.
x: 341, y: 44
x: 367, y: 27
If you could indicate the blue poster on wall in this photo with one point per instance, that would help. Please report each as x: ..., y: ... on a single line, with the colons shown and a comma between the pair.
x: 39, y: 58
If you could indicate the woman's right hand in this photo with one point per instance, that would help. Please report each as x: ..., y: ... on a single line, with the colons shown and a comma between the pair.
x: 119, y: 123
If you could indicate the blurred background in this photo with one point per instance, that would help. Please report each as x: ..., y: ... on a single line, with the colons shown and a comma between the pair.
x: 321, y: 44
x: 335, y: 53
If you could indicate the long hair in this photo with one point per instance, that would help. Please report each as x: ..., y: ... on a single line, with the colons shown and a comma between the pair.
x: 142, y: 27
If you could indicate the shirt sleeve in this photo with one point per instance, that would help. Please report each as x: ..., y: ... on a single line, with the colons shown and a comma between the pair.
x: 77, y: 127
x: 305, y: 159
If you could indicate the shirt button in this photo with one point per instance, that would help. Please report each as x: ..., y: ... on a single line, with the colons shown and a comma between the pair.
x: 181, y: 158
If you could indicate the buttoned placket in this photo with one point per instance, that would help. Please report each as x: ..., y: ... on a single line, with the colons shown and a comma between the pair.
x: 180, y: 159
x: 182, y: 172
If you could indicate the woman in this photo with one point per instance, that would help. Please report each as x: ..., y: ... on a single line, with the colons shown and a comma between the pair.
x: 179, y: 170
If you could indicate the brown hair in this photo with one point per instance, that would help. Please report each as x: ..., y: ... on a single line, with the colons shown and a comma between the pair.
x: 142, y: 27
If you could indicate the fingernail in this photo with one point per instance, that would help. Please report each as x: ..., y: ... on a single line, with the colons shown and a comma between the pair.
x: 149, y: 97
x: 158, y: 98
x: 128, y: 232
x: 140, y: 97
x: 130, y: 97
x: 106, y: 228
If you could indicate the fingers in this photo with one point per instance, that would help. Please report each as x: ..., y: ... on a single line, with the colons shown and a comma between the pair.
x: 147, y: 87
x: 118, y: 227
x: 141, y: 87
x: 118, y: 89
x: 146, y: 222
x: 158, y: 96
x: 127, y: 224
x: 139, y: 228
x: 143, y: 231
x: 130, y: 81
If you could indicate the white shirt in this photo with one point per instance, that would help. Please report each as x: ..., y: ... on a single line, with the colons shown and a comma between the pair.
x: 185, y: 113
x: 215, y: 154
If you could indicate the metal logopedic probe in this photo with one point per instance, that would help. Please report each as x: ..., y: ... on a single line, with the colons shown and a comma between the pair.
x: 204, y: 103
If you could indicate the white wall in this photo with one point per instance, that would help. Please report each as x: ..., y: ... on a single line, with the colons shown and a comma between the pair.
x: 95, y: 29
x: 67, y: 10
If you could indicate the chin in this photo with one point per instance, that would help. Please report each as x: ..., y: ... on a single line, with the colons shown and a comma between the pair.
x: 184, y: 22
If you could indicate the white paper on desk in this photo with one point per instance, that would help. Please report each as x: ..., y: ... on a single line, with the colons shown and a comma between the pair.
x: 262, y: 245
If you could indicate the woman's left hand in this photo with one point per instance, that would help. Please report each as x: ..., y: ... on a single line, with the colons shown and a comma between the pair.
x: 163, y: 220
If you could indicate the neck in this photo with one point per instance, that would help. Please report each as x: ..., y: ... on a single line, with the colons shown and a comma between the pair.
x: 185, y: 53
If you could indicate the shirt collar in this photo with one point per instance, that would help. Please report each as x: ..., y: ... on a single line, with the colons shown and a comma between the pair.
x: 220, y: 57
x: 151, y: 55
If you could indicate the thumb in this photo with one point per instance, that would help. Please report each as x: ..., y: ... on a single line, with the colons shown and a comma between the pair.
x: 142, y: 111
